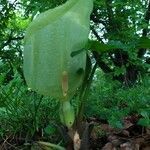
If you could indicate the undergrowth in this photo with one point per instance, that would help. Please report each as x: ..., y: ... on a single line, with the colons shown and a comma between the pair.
x: 28, y: 115
x: 110, y: 101
x: 25, y: 113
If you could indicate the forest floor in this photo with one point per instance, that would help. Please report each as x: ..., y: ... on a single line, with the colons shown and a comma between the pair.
x: 131, y: 137
x: 102, y: 137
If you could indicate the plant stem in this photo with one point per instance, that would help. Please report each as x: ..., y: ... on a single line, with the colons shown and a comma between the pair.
x: 83, y: 96
x: 51, y: 145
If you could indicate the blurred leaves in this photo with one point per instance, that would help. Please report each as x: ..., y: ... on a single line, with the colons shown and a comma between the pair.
x: 143, y: 43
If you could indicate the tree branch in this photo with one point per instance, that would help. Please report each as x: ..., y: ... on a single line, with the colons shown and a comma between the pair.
x: 96, y: 34
x: 101, y: 63
x: 97, y: 56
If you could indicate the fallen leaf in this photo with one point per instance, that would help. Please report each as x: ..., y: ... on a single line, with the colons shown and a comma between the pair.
x: 108, y: 146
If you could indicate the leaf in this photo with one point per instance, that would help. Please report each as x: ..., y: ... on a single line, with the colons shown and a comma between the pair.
x: 74, y: 53
x: 50, y: 130
x: 145, y: 114
x: 143, y: 42
x: 49, y: 42
x: 46, y: 146
x: 144, y: 122
x: 2, y: 78
x: 110, y: 46
x: 119, y: 71
x: 97, y: 46
x: 114, y: 122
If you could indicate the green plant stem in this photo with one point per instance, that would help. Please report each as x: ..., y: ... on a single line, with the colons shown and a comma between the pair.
x: 51, y: 145
x: 84, y: 94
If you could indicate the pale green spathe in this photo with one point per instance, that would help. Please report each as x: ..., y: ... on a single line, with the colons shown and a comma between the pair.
x: 49, y: 41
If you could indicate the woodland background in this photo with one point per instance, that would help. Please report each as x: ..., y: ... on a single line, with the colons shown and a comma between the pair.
x: 119, y: 96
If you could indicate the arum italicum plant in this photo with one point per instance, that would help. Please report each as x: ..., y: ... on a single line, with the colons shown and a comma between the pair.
x: 50, y: 39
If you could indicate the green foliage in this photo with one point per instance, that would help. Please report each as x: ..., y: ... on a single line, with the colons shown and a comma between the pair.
x: 50, y: 130
x: 112, y: 102
x: 23, y: 111
x: 145, y: 120
x: 119, y: 44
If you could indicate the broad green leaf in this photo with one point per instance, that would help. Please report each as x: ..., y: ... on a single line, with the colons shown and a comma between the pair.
x: 110, y: 46
x: 97, y: 46
x: 50, y: 39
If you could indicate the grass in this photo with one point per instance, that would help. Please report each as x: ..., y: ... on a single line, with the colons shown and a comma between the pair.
x: 23, y: 111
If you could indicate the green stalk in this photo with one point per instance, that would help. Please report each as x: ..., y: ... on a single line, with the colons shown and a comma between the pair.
x: 84, y: 94
x: 51, y: 145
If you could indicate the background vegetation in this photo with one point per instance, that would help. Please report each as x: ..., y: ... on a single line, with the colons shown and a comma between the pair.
x: 120, y: 43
